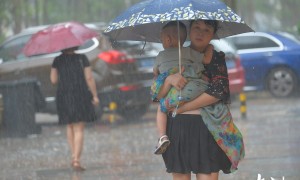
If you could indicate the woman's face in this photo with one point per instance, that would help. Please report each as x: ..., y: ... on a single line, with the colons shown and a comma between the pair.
x: 200, y: 35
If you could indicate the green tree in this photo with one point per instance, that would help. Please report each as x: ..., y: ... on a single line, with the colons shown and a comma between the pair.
x: 232, y: 4
x: 18, y: 14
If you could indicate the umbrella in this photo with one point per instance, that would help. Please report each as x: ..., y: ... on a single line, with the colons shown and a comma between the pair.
x: 58, y: 37
x: 144, y: 21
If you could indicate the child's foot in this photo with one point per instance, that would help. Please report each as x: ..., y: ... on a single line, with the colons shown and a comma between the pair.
x: 162, y: 145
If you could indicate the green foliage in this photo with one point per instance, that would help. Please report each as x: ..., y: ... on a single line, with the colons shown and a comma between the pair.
x: 84, y: 11
x: 18, y: 14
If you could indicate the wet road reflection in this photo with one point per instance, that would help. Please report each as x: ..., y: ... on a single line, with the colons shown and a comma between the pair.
x: 125, y: 150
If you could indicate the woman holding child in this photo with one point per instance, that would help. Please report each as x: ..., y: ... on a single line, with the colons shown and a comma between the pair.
x: 197, y: 145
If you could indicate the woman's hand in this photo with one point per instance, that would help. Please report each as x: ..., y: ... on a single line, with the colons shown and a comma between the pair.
x: 177, y: 80
x: 200, y: 101
x: 180, y: 109
x: 95, y: 101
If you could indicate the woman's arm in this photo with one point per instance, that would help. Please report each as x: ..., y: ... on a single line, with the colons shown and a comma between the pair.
x: 91, y: 84
x: 53, y: 76
x: 201, y: 101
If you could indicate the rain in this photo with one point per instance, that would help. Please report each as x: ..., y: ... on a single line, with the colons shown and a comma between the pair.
x: 264, y: 76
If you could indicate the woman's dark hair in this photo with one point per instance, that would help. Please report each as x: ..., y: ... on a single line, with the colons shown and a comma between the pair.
x: 213, y: 23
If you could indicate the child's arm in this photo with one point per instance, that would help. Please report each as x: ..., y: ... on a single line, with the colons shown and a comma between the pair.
x: 208, y: 54
x: 173, y: 80
x: 155, y: 71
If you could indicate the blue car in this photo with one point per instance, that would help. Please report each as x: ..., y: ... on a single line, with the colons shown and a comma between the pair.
x: 271, y: 61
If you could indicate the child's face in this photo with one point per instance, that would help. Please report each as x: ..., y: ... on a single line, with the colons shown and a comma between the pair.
x: 201, y: 34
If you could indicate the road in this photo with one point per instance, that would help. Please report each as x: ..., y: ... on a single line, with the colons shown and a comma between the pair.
x: 124, y: 150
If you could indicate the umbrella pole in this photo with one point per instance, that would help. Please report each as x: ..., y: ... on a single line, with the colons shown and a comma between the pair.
x: 179, y: 48
x: 179, y: 54
x: 179, y: 64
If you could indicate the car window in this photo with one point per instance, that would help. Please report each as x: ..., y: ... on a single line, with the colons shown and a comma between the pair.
x: 12, y: 50
x: 219, y: 45
x: 138, y: 47
x: 252, y: 42
x: 290, y: 37
x: 223, y: 45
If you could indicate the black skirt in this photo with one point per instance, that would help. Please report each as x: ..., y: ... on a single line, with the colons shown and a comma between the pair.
x: 193, y: 148
x: 74, y: 107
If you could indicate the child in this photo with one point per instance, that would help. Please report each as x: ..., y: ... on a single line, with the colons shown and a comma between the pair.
x: 167, y: 61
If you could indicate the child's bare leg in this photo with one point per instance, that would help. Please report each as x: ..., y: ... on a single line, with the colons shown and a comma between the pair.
x: 161, y: 122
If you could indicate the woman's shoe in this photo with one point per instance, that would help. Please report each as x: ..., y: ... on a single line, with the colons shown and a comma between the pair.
x: 76, y: 166
x: 162, y: 145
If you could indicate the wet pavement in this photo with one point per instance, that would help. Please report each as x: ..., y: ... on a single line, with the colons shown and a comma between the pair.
x: 124, y: 150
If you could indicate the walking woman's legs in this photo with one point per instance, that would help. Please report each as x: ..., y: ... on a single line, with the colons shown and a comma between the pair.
x: 178, y: 176
x: 75, y: 140
x: 78, y: 139
x: 212, y: 176
x: 70, y: 137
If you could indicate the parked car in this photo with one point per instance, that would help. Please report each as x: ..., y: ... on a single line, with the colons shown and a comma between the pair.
x: 145, y: 56
x: 271, y: 61
x: 116, y: 74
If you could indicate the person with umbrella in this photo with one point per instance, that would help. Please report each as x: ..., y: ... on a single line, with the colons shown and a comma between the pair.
x: 197, y: 145
x: 76, y: 89
x: 167, y: 61
x: 75, y: 97
x: 200, y: 145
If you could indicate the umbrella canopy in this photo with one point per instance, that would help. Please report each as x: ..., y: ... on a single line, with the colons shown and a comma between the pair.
x: 58, y: 37
x: 144, y: 20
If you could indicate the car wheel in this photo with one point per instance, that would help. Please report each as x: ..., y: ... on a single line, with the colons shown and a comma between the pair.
x: 281, y: 82
x: 132, y: 113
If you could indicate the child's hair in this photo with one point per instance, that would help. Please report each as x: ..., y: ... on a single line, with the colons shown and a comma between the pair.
x: 213, y: 23
x: 174, y: 32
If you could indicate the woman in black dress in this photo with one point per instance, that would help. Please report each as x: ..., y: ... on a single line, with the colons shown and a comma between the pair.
x: 193, y: 148
x: 75, y: 96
